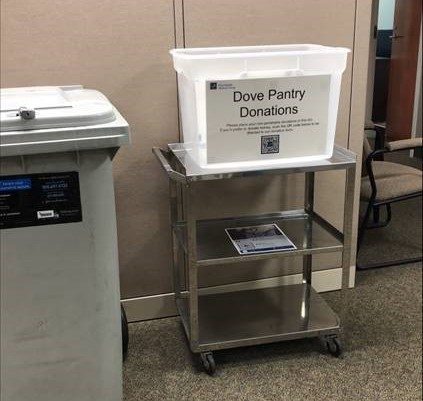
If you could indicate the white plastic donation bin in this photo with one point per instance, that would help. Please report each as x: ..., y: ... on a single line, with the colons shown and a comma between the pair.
x: 60, y: 303
x: 259, y: 104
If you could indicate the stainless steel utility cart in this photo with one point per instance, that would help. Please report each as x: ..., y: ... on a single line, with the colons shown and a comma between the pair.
x: 242, y: 318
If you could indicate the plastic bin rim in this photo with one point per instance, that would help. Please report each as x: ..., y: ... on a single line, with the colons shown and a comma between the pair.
x: 253, y: 51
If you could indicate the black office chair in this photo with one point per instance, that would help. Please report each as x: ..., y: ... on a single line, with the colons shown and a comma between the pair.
x: 384, y: 184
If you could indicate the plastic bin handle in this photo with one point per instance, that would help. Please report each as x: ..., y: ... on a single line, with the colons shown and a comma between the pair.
x: 271, y: 73
x: 162, y: 157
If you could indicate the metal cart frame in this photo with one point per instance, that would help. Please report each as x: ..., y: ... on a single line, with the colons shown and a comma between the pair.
x: 214, y: 321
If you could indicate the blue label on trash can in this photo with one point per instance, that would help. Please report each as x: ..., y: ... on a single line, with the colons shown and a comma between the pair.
x: 15, y: 185
x: 39, y: 199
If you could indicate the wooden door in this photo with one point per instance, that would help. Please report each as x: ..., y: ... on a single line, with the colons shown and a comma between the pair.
x: 402, y: 75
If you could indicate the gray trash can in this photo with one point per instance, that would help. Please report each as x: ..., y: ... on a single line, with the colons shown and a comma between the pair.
x: 60, y: 302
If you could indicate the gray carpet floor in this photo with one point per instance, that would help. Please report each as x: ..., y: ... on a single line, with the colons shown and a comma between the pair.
x: 383, y: 341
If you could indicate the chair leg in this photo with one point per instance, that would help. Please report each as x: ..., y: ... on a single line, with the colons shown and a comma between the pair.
x: 376, y: 214
x: 388, y: 218
x: 377, y: 223
x: 363, y: 225
x: 388, y: 213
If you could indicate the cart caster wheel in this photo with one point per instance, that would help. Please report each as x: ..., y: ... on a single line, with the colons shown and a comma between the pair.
x: 209, y: 365
x: 125, y: 333
x: 334, y: 346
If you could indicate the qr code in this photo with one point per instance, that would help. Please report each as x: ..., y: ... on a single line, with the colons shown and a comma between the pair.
x: 269, y: 144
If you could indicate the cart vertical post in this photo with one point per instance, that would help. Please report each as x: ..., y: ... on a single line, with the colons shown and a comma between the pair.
x: 191, y: 225
x: 307, y: 259
x: 347, y: 225
x: 309, y: 208
x: 174, y: 218
x: 347, y: 240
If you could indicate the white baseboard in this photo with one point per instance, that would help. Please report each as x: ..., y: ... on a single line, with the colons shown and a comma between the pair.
x: 163, y: 305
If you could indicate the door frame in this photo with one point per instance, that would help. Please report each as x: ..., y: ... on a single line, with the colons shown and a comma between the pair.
x: 417, y: 92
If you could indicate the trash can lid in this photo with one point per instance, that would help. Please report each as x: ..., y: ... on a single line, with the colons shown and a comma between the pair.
x: 46, y: 107
x: 50, y: 119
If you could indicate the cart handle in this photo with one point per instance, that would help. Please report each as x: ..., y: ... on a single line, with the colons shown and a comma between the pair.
x: 162, y: 157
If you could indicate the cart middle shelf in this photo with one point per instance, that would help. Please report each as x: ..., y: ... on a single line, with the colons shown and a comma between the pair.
x: 309, y: 232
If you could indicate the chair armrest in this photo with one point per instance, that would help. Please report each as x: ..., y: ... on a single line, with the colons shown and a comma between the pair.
x: 404, y: 144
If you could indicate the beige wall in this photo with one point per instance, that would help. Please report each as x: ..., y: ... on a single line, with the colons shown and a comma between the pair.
x: 120, y: 47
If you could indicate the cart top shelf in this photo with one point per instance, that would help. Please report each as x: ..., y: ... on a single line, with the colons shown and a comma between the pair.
x: 341, y: 159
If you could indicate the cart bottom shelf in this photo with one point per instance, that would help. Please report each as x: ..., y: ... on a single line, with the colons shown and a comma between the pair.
x: 241, y: 318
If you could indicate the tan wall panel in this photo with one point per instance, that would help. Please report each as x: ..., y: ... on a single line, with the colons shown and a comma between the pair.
x: 119, y: 47
x: 250, y: 22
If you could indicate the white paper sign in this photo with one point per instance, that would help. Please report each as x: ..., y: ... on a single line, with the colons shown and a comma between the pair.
x: 266, y: 118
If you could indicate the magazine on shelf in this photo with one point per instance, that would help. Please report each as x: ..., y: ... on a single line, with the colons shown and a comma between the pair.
x: 259, y: 239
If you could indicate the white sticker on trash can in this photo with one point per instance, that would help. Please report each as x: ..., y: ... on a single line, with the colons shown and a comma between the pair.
x: 266, y: 118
